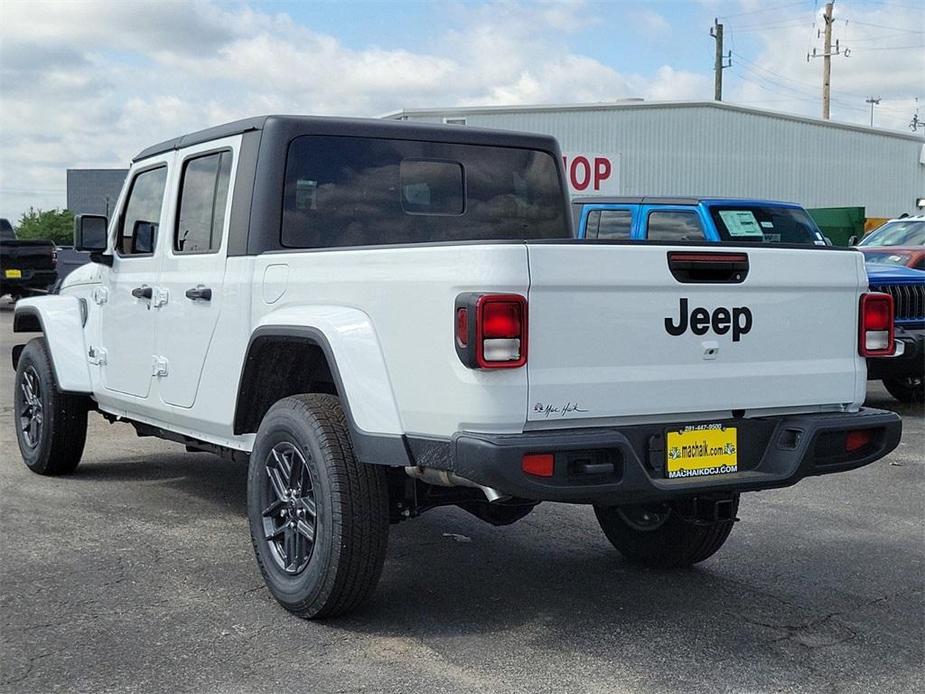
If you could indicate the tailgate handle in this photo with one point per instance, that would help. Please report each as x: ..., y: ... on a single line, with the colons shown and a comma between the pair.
x: 691, y: 267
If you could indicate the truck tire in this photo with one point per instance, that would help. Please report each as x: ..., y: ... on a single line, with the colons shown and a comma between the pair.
x: 51, y: 426
x: 661, y: 537
x: 319, y: 519
x: 906, y: 388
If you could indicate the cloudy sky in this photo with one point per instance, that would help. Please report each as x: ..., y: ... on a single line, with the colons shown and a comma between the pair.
x: 89, y: 83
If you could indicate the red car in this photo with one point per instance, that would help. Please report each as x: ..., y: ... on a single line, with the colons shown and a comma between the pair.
x: 898, y: 242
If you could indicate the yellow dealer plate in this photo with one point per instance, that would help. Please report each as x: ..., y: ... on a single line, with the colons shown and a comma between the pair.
x: 13, y: 274
x: 703, y: 449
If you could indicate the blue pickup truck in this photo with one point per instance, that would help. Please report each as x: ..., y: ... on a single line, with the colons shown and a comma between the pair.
x: 694, y: 219
x: 765, y: 221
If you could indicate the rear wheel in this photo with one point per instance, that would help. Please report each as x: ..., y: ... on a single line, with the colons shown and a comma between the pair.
x: 51, y: 426
x: 661, y: 535
x: 906, y: 388
x: 319, y: 519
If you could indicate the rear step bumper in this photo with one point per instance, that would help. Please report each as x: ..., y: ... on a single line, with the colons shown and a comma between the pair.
x: 626, y: 465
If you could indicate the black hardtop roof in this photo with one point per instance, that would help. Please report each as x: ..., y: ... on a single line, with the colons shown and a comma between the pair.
x: 360, y: 127
x: 667, y: 200
x: 634, y: 200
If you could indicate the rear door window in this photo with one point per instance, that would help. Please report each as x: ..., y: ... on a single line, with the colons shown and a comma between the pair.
x: 354, y: 191
x: 674, y: 225
x: 609, y: 224
x: 203, y: 199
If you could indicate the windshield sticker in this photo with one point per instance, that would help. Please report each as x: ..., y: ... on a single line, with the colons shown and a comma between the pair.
x: 740, y: 222
x: 767, y: 225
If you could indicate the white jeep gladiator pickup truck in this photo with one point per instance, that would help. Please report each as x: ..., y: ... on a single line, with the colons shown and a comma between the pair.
x: 383, y: 318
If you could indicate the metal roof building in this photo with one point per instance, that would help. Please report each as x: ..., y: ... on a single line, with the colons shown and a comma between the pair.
x: 94, y: 191
x: 716, y: 149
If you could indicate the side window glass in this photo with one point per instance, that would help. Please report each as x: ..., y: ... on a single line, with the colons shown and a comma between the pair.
x: 203, y: 198
x: 674, y: 226
x: 591, y: 226
x: 142, y: 216
x: 615, y: 224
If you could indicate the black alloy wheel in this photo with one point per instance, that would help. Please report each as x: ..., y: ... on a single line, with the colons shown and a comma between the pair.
x: 31, y: 409
x: 290, y: 517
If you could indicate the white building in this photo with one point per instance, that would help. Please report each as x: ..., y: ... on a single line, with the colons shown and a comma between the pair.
x: 717, y: 149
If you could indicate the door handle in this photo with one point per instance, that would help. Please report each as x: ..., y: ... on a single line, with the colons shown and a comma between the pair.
x: 143, y: 292
x: 199, y: 293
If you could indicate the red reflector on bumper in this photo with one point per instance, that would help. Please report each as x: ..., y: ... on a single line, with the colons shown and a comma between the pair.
x: 539, y: 464
x: 857, y: 439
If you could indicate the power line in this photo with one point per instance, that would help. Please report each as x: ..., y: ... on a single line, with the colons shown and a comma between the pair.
x: 796, y: 92
x: 767, y: 27
x: 865, y: 49
x: 805, y: 85
x: 769, y: 84
x: 882, y: 37
x: 771, y: 72
x: 883, y: 26
x: 764, y: 9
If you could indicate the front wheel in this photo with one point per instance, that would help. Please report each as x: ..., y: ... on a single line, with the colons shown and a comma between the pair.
x: 51, y: 426
x: 661, y: 535
x: 319, y: 519
x: 906, y: 388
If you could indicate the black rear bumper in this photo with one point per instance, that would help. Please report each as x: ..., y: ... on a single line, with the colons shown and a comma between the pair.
x: 626, y: 465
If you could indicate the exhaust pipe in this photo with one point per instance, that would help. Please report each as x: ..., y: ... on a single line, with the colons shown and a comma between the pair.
x: 445, y: 478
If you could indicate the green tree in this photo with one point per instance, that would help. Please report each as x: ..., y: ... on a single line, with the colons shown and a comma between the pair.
x: 55, y: 225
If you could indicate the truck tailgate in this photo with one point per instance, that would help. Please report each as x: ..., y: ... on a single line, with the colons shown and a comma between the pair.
x: 606, y: 341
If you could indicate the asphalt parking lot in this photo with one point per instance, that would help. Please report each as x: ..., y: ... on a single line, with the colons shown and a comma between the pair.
x: 136, y: 574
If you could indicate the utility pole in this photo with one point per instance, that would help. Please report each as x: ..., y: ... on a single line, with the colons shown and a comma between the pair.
x: 716, y: 31
x: 827, y: 61
x: 915, y: 123
x: 826, y: 56
x: 873, y: 102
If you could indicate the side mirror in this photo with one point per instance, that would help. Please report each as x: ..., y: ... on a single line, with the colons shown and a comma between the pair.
x: 853, y: 241
x: 144, y: 235
x: 90, y: 232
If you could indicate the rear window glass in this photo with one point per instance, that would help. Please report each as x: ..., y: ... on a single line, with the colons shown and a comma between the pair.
x: 763, y: 224
x: 431, y: 187
x: 352, y: 191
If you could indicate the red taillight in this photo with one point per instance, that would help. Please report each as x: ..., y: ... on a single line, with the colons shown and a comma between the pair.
x: 539, y: 464
x: 875, y: 325
x: 491, y: 330
x: 462, y: 326
x: 858, y: 439
x: 501, y: 318
x: 500, y: 330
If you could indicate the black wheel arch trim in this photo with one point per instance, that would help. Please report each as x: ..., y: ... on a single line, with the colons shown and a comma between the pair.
x: 28, y: 320
x: 380, y: 449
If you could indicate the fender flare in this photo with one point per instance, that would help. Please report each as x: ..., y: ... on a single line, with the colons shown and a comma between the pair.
x: 351, y: 347
x: 61, y: 320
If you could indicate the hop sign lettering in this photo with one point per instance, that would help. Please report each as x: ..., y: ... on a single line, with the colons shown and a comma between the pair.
x: 592, y: 174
